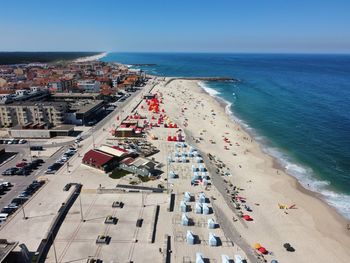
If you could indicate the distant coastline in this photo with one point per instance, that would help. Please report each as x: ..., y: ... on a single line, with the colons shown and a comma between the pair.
x: 11, y: 58
x: 91, y: 58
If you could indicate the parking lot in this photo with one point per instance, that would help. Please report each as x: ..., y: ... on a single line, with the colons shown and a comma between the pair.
x: 21, y: 172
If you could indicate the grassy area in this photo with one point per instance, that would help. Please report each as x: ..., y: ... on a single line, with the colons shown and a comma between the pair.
x: 144, y: 178
x: 117, y: 174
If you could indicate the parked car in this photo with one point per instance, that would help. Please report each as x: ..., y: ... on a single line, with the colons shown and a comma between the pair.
x: 23, y: 171
x: 7, y: 210
x: 22, y: 141
x: 11, y: 171
x: 36, y: 148
x: 38, y: 161
x: 21, y: 164
x: 3, y: 217
x: 7, y: 184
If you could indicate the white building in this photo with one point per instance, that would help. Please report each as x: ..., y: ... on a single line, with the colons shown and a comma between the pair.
x: 89, y: 85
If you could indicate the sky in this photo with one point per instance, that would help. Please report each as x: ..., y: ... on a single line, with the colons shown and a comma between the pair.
x: 266, y: 26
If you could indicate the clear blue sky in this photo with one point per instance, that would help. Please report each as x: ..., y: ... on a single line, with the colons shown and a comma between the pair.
x: 176, y: 25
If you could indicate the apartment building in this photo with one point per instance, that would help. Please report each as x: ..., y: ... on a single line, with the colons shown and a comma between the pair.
x: 21, y: 113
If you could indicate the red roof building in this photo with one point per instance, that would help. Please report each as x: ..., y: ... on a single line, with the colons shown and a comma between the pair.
x: 99, y: 160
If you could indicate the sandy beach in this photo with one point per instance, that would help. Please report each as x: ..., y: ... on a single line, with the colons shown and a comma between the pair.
x: 282, y: 211
x: 91, y: 58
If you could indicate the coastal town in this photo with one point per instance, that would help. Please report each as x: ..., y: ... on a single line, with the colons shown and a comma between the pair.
x: 101, y: 162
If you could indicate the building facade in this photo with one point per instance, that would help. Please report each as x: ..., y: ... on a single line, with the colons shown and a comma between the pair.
x: 21, y: 113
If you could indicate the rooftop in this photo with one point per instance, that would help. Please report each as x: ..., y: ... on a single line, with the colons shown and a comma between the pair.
x: 5, y: 248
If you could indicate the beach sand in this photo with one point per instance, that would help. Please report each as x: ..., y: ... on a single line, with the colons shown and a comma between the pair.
x: 314, y: 229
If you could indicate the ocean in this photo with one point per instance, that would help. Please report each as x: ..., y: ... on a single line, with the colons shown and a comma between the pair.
x: 297, y: 106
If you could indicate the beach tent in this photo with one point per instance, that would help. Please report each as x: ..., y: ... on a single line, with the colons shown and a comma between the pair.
x: 185, y: 221
x: 184, y: 159
x: 188, y: 197
x: 183, y: 206
x: 225, y: 259
x: 202, y: 168
x: 263, y: 250
x: 172, y: 174
x: 201, y: 198
x: 211, y: 223
x: 247, y: 218
x: 190, y: 154
x: 206, y: 209
x: 196, y: 175
x: 205, y: 182
x: 274, y: 261
x: 198, y: 208
x: 199, y: 258
x: 177, y: 154
x: 170, y: 159
x: 199, y: 160
x: 194, y: 168
x: 213, y: 240
x: 238, y: 259
x: 190, y: 238
x: 184, y: 154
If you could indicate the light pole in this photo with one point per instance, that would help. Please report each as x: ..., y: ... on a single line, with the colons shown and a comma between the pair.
x: 30, y: 151
x: 81, y: 209
x: 24, y: 214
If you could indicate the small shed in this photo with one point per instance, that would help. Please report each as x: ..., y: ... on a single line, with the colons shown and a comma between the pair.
x: 190, y: 238
x: 198, y: 208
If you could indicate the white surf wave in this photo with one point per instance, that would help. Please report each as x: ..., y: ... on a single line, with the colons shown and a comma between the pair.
x: 208, y: 89
x: 305, y: 175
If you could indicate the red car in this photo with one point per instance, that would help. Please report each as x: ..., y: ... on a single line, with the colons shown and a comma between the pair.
x: 21, y: 164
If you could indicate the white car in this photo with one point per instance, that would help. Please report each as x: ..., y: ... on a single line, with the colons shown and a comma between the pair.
x: 3, y: 217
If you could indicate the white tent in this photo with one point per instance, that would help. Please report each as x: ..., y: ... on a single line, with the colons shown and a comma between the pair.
x: 188, y: 197
x: 194, y: 168
x: 185, y: 221
x: 213, y: 240
x: 206, y: 209
x: 225, y: 259
x: 199, y: 160
x: 211, y: 223
x: 202, y: 198
x: 238, y: 259
x: 199, y: 258
x: 183, y: 206
x: 196, y: 175
x: 198, y: 209
x: 190, y: 239
x: 202, y: 168
x: 172, y: 174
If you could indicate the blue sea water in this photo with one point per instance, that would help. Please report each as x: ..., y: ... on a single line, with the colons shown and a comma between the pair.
x: 297, y: 106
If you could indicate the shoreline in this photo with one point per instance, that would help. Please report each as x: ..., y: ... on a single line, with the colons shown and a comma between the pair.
x: 276, y: 162
x: 91, y: 58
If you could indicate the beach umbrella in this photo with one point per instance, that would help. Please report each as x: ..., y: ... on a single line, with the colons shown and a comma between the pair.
x: 262, y: 250
x: 247, y: 218
x: 257, y: 246
x: 274, y: 261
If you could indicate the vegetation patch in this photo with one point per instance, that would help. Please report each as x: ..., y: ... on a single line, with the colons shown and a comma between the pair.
x: 117, y: 174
